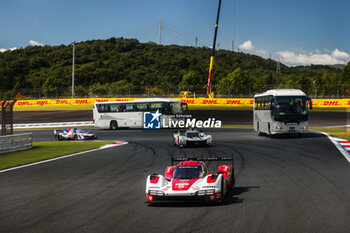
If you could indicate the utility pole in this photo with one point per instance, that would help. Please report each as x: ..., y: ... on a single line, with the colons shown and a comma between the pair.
x: 73, y: 64
x: 195, y: 42
x: 278, y: 66
x: 160, y: 30
x: 233, y: 45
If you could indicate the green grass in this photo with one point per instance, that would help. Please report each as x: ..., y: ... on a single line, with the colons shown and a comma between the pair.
x: 46, y: 150
x: 335, y: 132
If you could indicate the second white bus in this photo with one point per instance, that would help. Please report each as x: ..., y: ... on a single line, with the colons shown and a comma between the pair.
x: 281, y: 111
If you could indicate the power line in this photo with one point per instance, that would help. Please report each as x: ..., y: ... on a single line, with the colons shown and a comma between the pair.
x: 179, y: 31
x: 177, y: 37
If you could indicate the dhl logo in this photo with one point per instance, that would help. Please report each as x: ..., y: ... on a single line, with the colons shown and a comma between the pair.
x: 61, y: 101
x: 122, y: 100
x: 330, y: 103
x: 188, y: 101
x: 102, y: 100
x: 81, y: 101
x: 210, y: 102
x: 21, y: 103
x: 233, y: 102
x: 42, y: 102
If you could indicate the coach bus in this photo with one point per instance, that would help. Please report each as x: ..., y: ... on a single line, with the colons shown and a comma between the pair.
x: 114, y: 115
x: 281, y: 111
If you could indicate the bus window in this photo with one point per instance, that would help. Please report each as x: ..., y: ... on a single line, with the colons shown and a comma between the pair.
x: 114, y: 108
x: 101, y: 107
x: 156, y: 106
x: 129, y: 107
x: 142, y: 107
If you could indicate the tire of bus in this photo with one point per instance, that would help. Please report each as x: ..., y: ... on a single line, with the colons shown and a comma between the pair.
x: 113, y: 125
x: 269, y: 131
x: 258, y: 129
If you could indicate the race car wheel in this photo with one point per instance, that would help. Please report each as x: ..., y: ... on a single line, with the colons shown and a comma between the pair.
x: 75, y: 138
x: 233, y: 181
x: 222, y: 193
x: 114, y: 125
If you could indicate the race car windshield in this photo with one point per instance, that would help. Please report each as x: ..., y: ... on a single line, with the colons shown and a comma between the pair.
x: 192, y: 135
x: 188, y: 172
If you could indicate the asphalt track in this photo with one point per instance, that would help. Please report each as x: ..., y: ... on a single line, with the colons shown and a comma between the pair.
x: 284, y: 184
x: 228, y: 117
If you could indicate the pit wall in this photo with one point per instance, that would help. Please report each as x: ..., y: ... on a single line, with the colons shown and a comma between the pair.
x: 189, y: 101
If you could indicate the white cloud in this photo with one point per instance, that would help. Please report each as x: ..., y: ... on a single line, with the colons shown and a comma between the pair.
x: 336, y: 57
x: 11, y: 49
x: 247, y: 45
x: 34, y: 43
x: 260, y: 51
x: 339, y: 54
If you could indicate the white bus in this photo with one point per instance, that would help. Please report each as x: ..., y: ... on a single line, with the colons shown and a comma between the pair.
x: 114, y: 115
x: 281, y: 111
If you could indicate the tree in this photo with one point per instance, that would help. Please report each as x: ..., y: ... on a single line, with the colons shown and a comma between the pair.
x: 237, y: 82
x: 192, y: 81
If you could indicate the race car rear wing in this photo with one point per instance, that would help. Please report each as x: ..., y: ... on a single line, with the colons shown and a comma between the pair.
x: 179, y: 159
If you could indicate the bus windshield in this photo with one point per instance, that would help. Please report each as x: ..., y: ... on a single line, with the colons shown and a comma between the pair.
x: 289, y: 108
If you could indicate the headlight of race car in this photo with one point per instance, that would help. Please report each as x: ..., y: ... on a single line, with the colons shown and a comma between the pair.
x: 156, y: 193
x: 205, y: 192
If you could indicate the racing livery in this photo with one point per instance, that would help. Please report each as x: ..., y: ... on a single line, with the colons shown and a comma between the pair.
x: 192, y: 137
x: 190, y: 180
x: 74, y: 134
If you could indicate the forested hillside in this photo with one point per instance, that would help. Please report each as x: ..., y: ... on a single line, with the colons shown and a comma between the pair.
x: 118, y: 66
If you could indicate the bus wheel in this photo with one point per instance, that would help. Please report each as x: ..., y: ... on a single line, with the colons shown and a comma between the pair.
x: 269, y: 131
x: 258, y: 129
x: 300, y: 135
x: 113, y: 125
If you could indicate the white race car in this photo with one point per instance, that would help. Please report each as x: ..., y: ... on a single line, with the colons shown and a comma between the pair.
x: 192, y: 137
x: 190, y: 181
x: 73, y: 134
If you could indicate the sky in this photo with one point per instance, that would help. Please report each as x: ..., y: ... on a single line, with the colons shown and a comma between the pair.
x: 296, y: 32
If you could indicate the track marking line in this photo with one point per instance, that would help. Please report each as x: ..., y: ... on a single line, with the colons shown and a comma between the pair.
x: 341, y: 145
x: 65, y: 156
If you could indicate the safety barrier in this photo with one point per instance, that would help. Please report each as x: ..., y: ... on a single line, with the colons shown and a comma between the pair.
x: 15, y: 142
x: 189, y: 101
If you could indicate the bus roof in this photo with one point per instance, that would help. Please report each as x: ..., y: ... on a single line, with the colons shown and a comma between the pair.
x: 282, y: 92
x: 148, y: 100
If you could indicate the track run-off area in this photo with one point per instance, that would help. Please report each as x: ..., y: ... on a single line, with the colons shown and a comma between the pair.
x: 284, y: 184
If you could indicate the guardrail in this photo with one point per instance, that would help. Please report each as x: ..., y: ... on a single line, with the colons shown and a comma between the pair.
x: 15, y: 142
